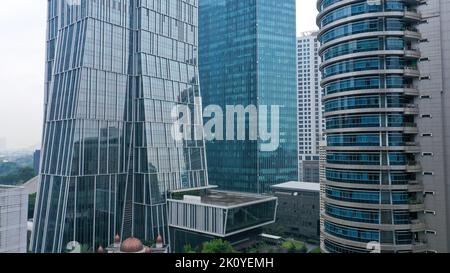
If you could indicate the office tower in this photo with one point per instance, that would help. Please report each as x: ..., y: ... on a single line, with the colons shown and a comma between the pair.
x: 246, y: 59
x: 118, y: 69
x: 374, y: 189
x: 310, y: 109
x: 36, y: 160
x: 13, y: 219
x: 433, y: 122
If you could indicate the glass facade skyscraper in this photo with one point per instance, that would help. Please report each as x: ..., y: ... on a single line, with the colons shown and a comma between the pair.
x: 372, y: 189
x: 247, y: 57
x: 115, y: 70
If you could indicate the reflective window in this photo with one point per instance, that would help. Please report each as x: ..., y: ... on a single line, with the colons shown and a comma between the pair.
x: 360, y: 235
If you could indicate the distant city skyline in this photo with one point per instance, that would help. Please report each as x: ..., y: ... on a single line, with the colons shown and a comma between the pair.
x: 22, y: 75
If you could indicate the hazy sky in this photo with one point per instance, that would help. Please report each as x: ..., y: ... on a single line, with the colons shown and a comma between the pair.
x: 22, y: 55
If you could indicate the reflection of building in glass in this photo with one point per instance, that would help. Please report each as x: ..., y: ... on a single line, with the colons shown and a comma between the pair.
x: 246, y: 58
x: 115, y: 71
x: 13, y: 219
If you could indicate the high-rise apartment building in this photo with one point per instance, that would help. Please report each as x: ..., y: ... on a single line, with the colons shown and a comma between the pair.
x: 115, y: 72
x: 13, y: 219
x: 310, y: 108
x: 374, y: 187
x: 246, y: 59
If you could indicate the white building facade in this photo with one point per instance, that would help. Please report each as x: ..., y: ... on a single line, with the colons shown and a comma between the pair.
x: 13, y: 219
x: 310, y: 108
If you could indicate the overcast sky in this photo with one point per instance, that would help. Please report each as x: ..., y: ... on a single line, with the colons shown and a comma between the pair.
x: 22, y: 51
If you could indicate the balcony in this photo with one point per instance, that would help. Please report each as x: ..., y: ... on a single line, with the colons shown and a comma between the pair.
x: 412, y: 72
x: 411, y: 109
x: 417, y: 225
x: 410, y: 131
x: 412, y: 15
x: 413, y: 167
x: 411, y: 90
x: 412, y: 34
x: 412, y: 54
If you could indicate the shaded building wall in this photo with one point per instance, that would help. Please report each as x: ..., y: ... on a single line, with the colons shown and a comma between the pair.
x: 298, y: 213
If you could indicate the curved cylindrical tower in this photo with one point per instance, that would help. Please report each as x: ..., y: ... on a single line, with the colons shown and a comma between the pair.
x: 372, y: 192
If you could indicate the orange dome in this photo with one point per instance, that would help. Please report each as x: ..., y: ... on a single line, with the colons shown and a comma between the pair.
x: 131, y: 245
x: 159, y: 240
x: 117, y: 239
x: 101, y: 250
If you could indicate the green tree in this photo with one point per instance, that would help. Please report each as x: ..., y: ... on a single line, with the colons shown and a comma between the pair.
x: 189, y: 249
x: 82, y: 249
x: 17, y: 176
x: 86, y: 249
x: 218, y: 246
x: 289, y: 247
x: 148, y: 243
x: 6, y: 167
x: 293, y: 246
x: 316, y: 250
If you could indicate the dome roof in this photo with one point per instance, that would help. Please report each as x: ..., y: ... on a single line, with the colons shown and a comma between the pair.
x: 159, y: 240
x: 131, y: 245
x: 101, y: 250
x: 117, y: 239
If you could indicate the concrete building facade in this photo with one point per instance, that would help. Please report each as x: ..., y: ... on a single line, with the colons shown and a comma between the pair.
x: 310, y: 108
x: 13, y: 219
x: 298, y: 209
x: 386, y: 78
x: 434, y: 121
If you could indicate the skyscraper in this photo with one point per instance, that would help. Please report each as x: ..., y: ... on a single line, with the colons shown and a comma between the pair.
x: 115, y: 70
x: 374, y: 190
x: 247, y: 51
x: 36, y: 160
x: 310, y: 109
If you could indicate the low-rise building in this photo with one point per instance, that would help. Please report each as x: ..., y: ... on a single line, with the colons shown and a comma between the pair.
x: 298, y: 211
x: 13, y: 219
x: 199, y: 216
